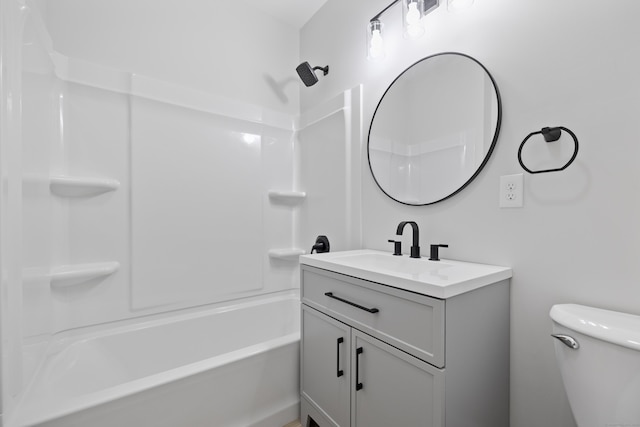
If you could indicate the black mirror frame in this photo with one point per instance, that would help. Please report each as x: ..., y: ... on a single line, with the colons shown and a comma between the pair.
x: 486, y: 157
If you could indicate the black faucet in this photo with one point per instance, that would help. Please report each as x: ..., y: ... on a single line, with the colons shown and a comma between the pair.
x: 415, y: 248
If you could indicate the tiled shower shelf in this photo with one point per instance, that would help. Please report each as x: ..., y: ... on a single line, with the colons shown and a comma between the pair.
x: 289, y: 254
x: 75, y: 186
x: 287, y: 196
x: 70, y: 275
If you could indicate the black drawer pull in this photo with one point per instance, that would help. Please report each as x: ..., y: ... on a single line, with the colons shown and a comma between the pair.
x: 359, y: 351
x: 370, y: 310
x: 339, y: 371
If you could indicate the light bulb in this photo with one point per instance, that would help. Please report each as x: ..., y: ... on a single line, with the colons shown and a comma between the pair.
x: 376, y: 42
x: 412, y: 15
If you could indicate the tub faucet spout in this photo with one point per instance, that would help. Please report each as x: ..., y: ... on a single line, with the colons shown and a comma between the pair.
x: 415, y: 248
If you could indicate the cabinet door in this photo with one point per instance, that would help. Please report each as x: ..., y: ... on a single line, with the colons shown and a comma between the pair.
x: 395, y: 389
x: 325, y: 370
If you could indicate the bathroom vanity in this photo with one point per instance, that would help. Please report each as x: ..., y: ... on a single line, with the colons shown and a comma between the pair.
x: 395, y: 341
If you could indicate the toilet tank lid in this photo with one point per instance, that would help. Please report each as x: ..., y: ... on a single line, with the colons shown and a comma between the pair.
x: 611, y: 326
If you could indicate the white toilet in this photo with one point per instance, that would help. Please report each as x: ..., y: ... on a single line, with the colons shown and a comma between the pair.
x: 598, y: 352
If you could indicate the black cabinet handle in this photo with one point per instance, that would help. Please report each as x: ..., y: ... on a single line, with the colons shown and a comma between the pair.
x: 359, y: 351
x: 339, y: 371
x: 370, y: 310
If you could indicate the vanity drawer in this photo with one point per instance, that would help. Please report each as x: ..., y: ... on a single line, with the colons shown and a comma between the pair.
x: 411, y: 322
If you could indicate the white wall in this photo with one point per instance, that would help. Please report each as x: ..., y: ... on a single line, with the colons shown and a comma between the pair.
x: 577, y: 239
x: 223, y: 47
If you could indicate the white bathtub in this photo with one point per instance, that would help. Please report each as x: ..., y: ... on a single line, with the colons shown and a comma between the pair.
x: 223, y: 367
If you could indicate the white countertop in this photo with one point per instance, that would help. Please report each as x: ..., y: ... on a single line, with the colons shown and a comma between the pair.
x: 439, y: 279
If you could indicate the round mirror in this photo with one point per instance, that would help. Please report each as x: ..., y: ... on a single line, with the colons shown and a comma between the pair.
x: 434, y: 129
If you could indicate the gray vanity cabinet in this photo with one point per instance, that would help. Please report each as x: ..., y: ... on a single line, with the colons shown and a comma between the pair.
x: 330, y: 348
x: 326, y: 365
x: 378, y: 356
x: 395, y: 387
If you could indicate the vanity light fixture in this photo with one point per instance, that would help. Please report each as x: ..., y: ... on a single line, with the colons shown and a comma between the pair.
x: 412, y: 13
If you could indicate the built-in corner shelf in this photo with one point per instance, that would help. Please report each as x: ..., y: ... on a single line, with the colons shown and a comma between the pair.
x: 288, y: 254
x: 70, y: 275
x: 75, y: 186
x: 287, y: 196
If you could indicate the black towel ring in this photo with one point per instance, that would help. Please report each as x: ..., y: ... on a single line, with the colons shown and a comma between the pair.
x: 550, y: 135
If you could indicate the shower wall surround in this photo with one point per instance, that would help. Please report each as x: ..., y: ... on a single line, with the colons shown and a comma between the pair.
x: 570, y: 63
x: 189, y: 208
x: 328, y: 166
x: 136, y: 181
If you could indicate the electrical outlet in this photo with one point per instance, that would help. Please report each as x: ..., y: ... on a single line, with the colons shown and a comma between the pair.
x: 511, y: 191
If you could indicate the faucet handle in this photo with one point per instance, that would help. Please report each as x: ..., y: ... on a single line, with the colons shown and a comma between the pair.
x: 434, y: 252
x: 397, y: 247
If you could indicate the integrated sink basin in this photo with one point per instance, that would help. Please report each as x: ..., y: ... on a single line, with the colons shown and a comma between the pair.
x: 402, y: 265
x: 438, y: 279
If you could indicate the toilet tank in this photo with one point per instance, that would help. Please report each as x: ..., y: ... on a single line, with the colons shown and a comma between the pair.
x: 601, y: 376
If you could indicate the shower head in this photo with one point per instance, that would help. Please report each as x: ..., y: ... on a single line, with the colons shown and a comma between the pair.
x: 307, y: 74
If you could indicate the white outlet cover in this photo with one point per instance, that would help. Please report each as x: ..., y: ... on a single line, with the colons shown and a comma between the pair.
x: 512, y: 191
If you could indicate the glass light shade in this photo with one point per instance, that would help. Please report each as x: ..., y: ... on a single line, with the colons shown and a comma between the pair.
x: 458, y: 5
x: 375, y: 43
x: 412, y: 14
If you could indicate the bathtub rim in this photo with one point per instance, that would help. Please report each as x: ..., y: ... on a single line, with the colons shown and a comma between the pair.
x: 62, y: 339
x: 23, y: 416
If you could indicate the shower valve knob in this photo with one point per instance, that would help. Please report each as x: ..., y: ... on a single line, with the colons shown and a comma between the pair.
x: 321, y: 245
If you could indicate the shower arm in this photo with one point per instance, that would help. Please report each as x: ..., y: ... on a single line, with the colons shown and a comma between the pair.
x: 325, y: 69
